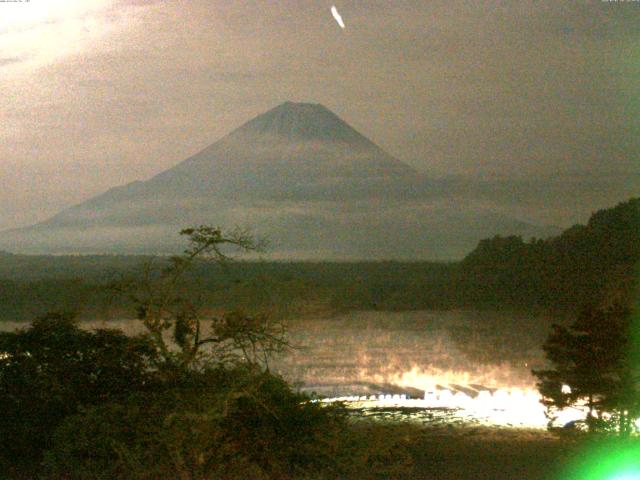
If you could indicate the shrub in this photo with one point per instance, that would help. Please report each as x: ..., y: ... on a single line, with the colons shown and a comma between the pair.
x: 53, y: 369
x: 222, y: 423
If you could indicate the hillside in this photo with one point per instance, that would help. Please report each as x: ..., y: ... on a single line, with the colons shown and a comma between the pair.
x: 585, y: 264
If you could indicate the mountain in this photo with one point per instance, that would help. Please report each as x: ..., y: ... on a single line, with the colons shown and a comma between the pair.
x: 298, y: 174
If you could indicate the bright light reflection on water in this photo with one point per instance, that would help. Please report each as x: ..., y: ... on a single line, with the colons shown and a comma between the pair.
x: 500, y: 407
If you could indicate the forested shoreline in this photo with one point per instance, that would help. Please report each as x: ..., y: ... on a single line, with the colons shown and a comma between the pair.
x: 586, y: 263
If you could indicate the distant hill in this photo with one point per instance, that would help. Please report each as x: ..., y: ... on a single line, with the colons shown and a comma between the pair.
x: 592, y: 263
x: 297, y: 174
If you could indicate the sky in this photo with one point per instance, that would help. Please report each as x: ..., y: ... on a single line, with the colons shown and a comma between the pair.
x: 99, y: 93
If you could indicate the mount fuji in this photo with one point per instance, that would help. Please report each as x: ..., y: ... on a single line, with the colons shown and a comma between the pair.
x: 297, y: 174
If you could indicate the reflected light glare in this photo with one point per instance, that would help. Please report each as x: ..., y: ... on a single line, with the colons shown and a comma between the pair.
x: 518, y: 406
x: 627, y: 476
x: 613, y: 459
x: 490, y: 376
x: 38, y: 32
x: 18, y: 15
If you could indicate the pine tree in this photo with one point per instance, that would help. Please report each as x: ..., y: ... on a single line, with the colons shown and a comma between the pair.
x: 591, y: 358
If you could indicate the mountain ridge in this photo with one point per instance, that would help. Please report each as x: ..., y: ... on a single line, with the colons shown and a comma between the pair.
x: 298, y: 172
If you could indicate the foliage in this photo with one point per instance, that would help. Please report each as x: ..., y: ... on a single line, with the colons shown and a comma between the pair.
x: 53, y: 369
x: 228, y: 424
x: 221, y: 423
x: 592, y: 358
x: 281, y: 431
x: 216, y: 413
x: 170, y: 312
x: 586, y: 263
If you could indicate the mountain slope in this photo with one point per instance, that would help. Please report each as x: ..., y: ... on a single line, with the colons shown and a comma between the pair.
x: 298, y: 174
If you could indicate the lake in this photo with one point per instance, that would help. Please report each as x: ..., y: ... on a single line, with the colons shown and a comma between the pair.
x: 360, y: 352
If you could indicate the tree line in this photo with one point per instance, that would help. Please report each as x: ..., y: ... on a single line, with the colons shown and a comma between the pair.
x: 558, y: 275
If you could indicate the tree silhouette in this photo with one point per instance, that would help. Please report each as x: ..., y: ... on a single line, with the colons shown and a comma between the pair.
x: 183, y: 335
x: 592, y: 368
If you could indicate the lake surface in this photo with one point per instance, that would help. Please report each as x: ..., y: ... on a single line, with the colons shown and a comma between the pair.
x: 420, y: 349
x: 435, y: 368
x: 368, y: 352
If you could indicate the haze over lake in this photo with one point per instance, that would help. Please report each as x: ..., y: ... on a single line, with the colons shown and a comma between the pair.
x: 359, y: 352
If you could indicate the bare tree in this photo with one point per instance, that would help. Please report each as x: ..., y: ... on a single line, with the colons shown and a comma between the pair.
x: 184, y: 336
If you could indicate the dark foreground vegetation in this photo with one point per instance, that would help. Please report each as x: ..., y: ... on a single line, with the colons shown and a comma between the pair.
x: 584, y: 264
x: 182, y: 401
x: 176, y: 402
x: 100, y: 405
x: 83, y: 405
x: 595, y: 363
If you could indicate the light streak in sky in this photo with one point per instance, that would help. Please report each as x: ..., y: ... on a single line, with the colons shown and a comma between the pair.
x: 337, y: 16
